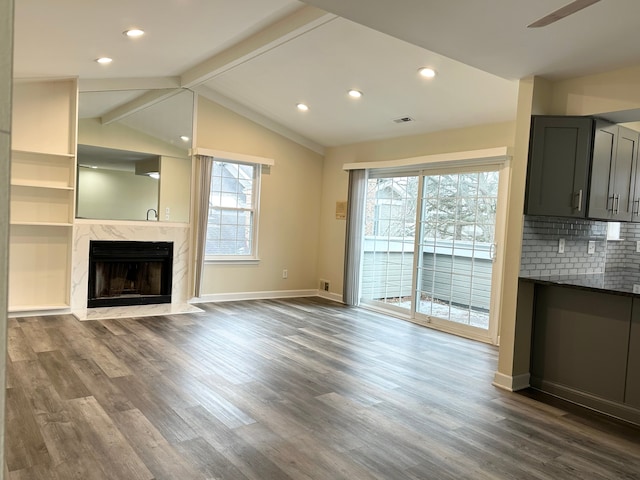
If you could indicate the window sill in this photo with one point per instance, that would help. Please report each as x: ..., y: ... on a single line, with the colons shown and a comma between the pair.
x: 231, y: 261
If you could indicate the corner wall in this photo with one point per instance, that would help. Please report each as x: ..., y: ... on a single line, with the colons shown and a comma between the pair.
x: 289, y: 209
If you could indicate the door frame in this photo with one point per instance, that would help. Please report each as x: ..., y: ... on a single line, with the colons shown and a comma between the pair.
x: 502, y: 164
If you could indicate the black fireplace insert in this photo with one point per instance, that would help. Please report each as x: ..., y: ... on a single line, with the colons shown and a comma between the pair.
x: 129, y: 273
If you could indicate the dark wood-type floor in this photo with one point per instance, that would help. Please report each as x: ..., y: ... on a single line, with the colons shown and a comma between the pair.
x: 283, y: 389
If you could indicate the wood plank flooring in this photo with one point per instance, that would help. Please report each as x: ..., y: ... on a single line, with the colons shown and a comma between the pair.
x: 283, y: 389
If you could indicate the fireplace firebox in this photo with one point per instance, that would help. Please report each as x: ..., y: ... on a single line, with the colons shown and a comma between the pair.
x: 129, y: 273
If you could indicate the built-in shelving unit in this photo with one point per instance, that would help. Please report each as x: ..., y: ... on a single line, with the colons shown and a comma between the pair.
x: 42, y: 206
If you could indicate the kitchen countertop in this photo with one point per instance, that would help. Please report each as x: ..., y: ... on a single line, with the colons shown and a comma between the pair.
x: 614, y: 281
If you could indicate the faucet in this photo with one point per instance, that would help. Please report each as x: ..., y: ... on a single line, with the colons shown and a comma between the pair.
x: 155, y: 213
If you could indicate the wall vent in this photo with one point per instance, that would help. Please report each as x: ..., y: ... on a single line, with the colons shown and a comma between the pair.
x: 403, y: 120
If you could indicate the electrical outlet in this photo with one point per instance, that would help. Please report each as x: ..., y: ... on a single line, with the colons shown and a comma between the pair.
x: 637, y: 246
x: 285, y: 273
x: 636, y: 288
x: 591, y: 249
x: 326, y: 286
x: 561, y: 245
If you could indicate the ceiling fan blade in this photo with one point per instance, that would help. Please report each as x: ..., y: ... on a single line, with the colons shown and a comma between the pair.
x: 563, y: 12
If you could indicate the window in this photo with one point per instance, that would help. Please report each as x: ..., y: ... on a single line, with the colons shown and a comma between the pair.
x: 233, y: 211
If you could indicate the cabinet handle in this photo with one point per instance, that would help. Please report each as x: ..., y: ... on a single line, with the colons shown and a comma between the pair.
x: 613, y: 204
x: 617, y: 202
x: 579, y: 205
x: 636, y: 207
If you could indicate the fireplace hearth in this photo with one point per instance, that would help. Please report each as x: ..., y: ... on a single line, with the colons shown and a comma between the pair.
x: 129, y: 273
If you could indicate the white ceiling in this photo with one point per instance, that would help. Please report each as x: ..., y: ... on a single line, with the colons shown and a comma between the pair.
x: 261, y: 57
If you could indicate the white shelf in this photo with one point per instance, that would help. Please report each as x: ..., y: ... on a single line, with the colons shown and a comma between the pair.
x: 28, y: 184
x: 37, y: 308
x: 43, y: 154
x: 42, y: 224
x: 42, y: 204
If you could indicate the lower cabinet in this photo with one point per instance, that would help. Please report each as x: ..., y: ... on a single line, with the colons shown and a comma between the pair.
x: 586, y: 348
x: 632, y: 393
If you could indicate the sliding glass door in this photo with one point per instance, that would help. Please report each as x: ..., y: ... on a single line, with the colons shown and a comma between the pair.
x: 389, y: 241
x: 456, y: 248
x: 429, y: 247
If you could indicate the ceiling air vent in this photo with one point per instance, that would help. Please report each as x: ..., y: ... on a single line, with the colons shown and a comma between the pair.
x: 403, y: 120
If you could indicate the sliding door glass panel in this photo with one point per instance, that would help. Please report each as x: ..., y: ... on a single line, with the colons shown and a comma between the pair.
x: 456, y: 247
x: 389, y: 239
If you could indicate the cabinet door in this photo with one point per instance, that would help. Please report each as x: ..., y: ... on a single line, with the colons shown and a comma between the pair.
x: 601, y: 194
x: 632, y: 391
x: 622, y: 174
x: 635, y: 190
x: 558, y: 170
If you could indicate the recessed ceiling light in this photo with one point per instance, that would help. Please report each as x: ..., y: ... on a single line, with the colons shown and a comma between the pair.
x: 355, y: 93
x: 302, y: 107
x: 134, y: 32
x: 184, y: 138
x: 427, y: 72
x: 104, y: 60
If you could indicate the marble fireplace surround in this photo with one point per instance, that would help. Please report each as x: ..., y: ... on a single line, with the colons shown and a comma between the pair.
x: 86, y: 230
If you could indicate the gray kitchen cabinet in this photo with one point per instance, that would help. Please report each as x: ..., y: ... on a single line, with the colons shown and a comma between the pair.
x: 579, y: 344
x: 613, y: 170
x: 560, y: 150
x: 632, y: 391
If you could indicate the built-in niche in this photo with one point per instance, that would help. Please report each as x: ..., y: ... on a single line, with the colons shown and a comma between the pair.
x: 134, y: 161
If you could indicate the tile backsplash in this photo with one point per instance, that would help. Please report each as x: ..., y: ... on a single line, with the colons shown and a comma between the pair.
x: 541, y: 235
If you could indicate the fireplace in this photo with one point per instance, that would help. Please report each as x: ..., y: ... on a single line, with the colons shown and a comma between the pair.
x: 129, y: 273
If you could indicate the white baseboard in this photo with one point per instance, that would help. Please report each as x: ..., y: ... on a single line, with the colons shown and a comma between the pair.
x: 330, y: 296
x: 226, y: 297
x: 511, y: 383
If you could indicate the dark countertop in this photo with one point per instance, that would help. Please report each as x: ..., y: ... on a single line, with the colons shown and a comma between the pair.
x: 615, y: 281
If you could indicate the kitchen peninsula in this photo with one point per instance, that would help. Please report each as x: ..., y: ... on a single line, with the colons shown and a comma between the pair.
x: 585, y: 315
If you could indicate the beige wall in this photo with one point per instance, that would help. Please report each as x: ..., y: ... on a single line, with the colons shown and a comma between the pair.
x: 175, y: 185
x: 593, y: 94
x: 6, y: 53
x: 335, y: 179
x: 289, y: 206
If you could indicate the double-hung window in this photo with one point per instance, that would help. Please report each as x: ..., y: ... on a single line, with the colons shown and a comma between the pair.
x: 233, y: 211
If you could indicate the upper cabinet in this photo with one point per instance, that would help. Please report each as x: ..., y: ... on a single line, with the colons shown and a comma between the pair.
x: 583, y: 167
x: 615, y: 151
x: 558, y: 171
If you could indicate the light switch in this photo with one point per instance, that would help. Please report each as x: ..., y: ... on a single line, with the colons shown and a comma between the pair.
x: 561, y: 245
x: 591, y: 249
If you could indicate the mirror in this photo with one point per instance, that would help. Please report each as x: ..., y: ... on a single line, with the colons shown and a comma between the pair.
x: 133, y: 155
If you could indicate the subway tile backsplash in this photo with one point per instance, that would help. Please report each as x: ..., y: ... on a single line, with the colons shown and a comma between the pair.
x: 540, y: 256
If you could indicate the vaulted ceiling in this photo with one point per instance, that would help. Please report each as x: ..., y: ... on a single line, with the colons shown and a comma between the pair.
x: 262, y: 57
